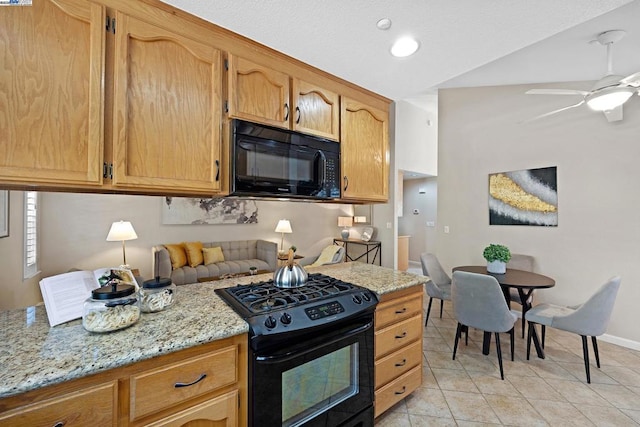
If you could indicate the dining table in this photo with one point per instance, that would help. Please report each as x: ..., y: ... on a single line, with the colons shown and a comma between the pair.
x: 525, y: 282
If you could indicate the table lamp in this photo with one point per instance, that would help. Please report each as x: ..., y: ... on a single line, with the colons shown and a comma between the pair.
x: 284, y: 226
x: 345, y: 222
x: 122, y: 230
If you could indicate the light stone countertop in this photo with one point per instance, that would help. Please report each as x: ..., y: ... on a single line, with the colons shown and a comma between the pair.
x: 34, y: 355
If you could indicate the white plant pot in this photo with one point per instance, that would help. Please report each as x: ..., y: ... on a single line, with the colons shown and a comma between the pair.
x: 497, y: 267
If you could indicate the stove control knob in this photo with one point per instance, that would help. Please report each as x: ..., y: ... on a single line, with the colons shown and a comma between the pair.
x: 270, y: 322
x: 285, y: 318
x: 357, y: 299
x: 366, y: 297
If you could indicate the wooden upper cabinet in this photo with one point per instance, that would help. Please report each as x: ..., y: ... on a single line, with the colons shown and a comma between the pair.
x: 51, y: 96
x: 264, y: 95
x: 364, y: 137
x: 167, y: 110
x: 258, y: 93
x: 315, y: 110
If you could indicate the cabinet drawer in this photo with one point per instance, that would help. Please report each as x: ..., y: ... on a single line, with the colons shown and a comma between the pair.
x: 397, y: 363
x: 169, y: 385
x: 397, y: 390
x: 398, y: 335
x: 397, y: 310
x: 95, y: 406
x: 221, y: 411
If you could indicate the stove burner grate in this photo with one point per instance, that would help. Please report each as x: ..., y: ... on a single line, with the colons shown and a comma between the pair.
x: 262, y: 297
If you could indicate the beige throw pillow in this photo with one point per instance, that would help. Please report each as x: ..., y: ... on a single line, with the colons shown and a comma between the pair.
x: 212, y: 255
x: 194, y: 253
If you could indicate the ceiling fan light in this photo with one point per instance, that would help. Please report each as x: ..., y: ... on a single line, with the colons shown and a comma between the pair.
x: 609, y: 98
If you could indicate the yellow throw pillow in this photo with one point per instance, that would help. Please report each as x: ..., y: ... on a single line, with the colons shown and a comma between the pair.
x: 194, y: 253
x: 177, y: 255
x: 212, y: 255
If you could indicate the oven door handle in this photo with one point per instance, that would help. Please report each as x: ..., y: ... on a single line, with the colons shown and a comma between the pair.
x: 293, y: 354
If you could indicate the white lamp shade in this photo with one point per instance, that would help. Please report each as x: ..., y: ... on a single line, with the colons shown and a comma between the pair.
x: 345, y: 221
x: 284, y: 226
x: 121, y: 230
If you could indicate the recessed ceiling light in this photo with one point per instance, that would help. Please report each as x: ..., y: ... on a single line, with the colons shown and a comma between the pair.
x: 404, y: 47
x: 384, y: 24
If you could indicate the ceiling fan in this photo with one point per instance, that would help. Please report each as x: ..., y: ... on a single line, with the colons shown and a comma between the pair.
x: 608, y: 94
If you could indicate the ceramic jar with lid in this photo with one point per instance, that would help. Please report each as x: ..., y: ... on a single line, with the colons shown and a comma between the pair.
x: 110, y: 308
x: 157, y: 294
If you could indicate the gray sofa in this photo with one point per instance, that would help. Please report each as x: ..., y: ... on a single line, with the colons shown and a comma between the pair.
x: 238, y: 257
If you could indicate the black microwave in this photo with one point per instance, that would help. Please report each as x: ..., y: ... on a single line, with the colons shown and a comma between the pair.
x: 273, y: 162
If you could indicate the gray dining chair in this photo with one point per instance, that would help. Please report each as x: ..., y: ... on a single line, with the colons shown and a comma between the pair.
x: 439, y: 286
x: 589, y: 319
x: 478, y: 302
x: 525, y: 263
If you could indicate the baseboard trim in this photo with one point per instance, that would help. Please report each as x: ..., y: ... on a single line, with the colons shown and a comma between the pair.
x: 622, y: 342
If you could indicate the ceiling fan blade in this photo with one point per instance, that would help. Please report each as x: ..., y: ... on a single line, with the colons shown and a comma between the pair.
x: 614, y: 115
x: 632, y: 80
x: 553, y: 112
x: 556, y: 92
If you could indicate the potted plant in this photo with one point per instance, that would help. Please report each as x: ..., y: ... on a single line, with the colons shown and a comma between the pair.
x: 497, y: 257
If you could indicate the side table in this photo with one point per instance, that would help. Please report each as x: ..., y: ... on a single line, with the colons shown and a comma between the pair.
x: 371, y: 248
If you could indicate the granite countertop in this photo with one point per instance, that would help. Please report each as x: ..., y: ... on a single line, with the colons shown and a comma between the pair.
x: 34, y: 355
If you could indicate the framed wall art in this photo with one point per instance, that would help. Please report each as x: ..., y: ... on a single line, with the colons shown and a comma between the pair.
x: 524, y: 197
x: 186, y: 210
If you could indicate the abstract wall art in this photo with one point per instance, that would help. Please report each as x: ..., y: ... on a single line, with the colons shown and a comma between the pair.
x: 186, y: 210
x: 524, y: 197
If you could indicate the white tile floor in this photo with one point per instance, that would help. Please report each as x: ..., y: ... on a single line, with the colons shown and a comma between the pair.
x: 468, y: 391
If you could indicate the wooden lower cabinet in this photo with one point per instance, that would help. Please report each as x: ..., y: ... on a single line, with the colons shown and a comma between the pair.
x: 94, y: 405
x: 219, y: 412
x: 196, y: 387
x: 398, y: 347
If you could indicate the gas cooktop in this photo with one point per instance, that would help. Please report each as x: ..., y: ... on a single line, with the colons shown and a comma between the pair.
x: 323, y: 300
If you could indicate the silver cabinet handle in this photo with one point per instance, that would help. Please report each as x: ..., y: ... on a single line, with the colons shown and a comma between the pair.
x: 404, y: 362
x: 178, y: 385
x: 404, y: 334
x: 286, y: 115
x: 60, y: 424
x: 404, y: 310
x: 403, y: 390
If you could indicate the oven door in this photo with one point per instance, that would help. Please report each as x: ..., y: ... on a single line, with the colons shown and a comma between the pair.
x: 323, y: 380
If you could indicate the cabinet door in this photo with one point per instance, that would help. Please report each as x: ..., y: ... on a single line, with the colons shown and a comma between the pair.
x: 364, y: 139
x: 219, y: 412
x: 315, y: 110
x: 167, y: 110
x: 51, y: 92
x: 258, y: 93
x: 93, y: 406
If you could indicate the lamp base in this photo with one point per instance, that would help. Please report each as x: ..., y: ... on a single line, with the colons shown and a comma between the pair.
x: 345, y: 234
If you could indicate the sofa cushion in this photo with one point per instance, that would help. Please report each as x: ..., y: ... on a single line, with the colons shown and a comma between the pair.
x: 212, y: 255
x: 178, y: 255
x: 194, y: 253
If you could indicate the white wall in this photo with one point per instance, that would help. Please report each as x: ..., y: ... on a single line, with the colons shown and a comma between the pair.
x: 416, y: 138
x: 598, y: 233
x: 423, y: 237
x: 14, y: 290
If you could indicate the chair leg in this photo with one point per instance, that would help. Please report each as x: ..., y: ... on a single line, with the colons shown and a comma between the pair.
x: 511, y: 335
x: 544, y: 331
x: 585, y: 352
x: 499, y: 351
x: 428, y: 311
x: 529, y: 333
x: 523, y: 321
x: 466, y: 336
x: 595, y: 350
x: 455, y: 345
x: 441, y: 306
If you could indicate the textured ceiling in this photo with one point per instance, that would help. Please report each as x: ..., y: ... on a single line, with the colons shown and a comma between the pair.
x: 538, y: 41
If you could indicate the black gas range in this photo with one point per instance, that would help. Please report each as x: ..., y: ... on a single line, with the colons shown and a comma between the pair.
x: 311, y: 352
x: 282, y: 313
